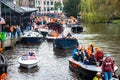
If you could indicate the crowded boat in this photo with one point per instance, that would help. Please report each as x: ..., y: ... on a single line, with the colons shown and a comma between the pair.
x: 89, y: 62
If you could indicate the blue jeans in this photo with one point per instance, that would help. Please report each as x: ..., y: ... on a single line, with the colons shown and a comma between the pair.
x: 107, y: 75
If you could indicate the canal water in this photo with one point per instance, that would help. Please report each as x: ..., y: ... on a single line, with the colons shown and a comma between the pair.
x: 53, y: 64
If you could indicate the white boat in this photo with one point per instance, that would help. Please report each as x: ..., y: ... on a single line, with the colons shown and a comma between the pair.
x: 28, y: 61
x: 31, y: 36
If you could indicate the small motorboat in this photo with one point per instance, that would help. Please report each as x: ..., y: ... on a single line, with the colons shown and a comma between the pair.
x: 65, y: 43
x: 31, y: 36
x: 87, y: 71
x: 28, y: 60
x: 53, y: 26
x: 3, y: 64
x: 76, y: 28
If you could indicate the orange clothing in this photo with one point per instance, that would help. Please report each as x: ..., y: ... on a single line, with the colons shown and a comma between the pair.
x: 11, y: 29
x: 3, y: 76
x: 88, y: 53
x: 54, y: 34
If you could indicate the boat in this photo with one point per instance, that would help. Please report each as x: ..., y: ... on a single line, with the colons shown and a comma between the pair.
x: 65, y: 43
x: 76, y: 28
x: 3, y: 64
x: 53, y: 26
x: 31, y: 36
x: 28, y: 60
x: 87, y: 71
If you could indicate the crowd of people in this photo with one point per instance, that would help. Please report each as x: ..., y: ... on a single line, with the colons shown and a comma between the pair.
x: 95, y: 56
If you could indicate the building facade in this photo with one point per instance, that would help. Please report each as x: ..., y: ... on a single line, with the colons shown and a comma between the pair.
x: 47, y: 6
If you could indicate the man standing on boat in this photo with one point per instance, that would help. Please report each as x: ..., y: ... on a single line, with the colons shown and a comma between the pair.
x: 75, y: 54
x: 108, y: 67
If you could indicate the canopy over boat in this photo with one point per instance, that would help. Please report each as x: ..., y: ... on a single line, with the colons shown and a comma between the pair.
x: 55, y: 26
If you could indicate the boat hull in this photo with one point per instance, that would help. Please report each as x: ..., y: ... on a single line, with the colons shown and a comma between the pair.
x: 28, y: 66
x: 65, y: 43
x: 31, y: 39
x: 28, y: 63
x: 50, y: 39
x: 3, y: 65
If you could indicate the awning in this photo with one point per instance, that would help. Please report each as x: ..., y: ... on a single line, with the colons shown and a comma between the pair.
x: 16, y: 8
x: 2, y: 21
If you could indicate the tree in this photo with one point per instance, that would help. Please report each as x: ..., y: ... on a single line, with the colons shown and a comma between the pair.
x: 94, y: 11
x: 57, y: 6
x: 71, y: 7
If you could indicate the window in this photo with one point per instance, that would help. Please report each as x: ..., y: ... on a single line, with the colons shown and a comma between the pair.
x: 44, y: 8
x: 47, y: 2
x: 44, y: 3
x: 51, y: 8
x: 48, y: 9
x: 51, y: 2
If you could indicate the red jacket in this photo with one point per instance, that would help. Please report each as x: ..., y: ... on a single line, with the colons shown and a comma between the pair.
x: 99, y: 55
x: 107, y: 66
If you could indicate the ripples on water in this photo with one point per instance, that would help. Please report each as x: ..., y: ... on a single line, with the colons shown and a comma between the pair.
x: 53, y: 64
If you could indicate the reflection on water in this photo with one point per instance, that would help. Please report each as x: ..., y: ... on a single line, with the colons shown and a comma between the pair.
x: 62, y: 53
x: 25, y: 70
x: 53, y: 64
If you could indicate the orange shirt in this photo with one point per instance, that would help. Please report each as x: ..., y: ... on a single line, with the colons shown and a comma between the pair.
x: 88, y: 53
x: 54, y: 34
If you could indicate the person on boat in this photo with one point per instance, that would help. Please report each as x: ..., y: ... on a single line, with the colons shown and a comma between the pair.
x: 54, y: 34
x: 83, y: 53
x: 61, y: 35
x: 85, y: 61
x: 69, y: 35
x: 108, y: 67
x: 89, y: 51
x: 92, y: 60
x: 98, y: 76
x: 99, y: 54
x: 75, y: 54
x: 92, y: 46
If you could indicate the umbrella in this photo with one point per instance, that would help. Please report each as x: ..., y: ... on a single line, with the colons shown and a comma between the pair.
x: 55, y: 26
x: 2, y: 21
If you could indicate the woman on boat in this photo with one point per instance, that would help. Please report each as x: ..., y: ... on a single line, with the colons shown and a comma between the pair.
x: 75, y: 54
x: 99, y: 54
x: 89, y: 51
x: 108, y: 67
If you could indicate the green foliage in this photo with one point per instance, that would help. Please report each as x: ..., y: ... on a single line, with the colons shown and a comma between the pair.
x: 95, y: 11
x: 71, y: 7
x: 57, y: 5
x: 116, y: 22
